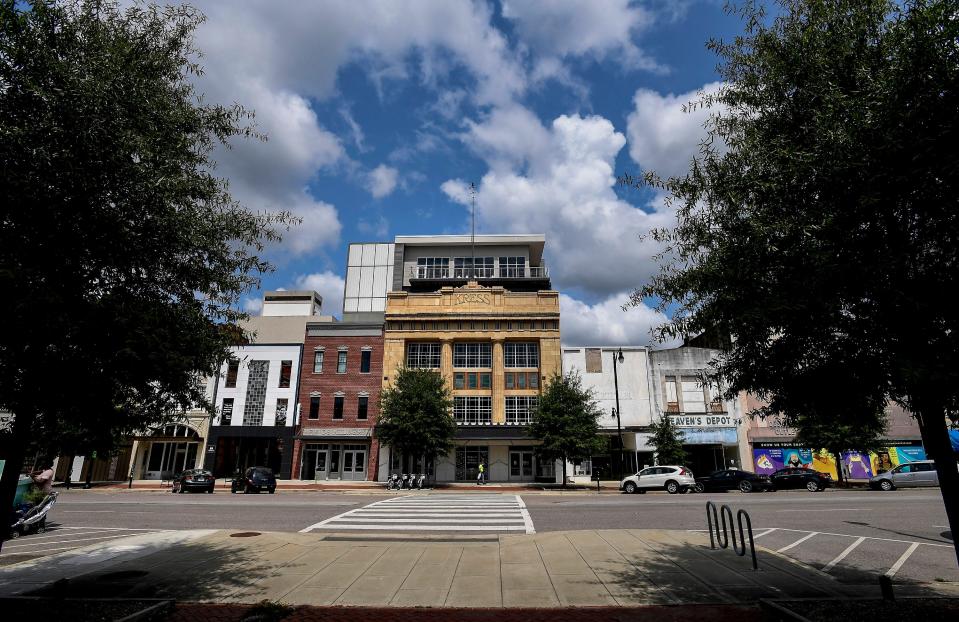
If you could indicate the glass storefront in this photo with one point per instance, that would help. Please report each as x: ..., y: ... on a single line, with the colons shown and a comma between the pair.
x: 468, y: 460
x: 326, y: 461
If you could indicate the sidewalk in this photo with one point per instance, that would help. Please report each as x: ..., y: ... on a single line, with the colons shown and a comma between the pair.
x: 612, y: 568
x: 294, y: 485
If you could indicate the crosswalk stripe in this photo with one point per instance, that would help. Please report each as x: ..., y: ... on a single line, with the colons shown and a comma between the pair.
x: 435, y: 513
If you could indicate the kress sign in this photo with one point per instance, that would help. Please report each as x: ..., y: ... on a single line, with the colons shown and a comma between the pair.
x: 704, y: 421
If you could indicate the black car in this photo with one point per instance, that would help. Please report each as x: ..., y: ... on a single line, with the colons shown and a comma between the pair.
x: 731, y: 479
x: 254, y: 479
x: 194, y: 479
x: 791, y: 477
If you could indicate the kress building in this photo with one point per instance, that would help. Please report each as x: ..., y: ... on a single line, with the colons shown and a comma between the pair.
x: 483, y: 315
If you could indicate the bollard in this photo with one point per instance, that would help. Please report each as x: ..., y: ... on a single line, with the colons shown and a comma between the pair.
x: 885, y: 585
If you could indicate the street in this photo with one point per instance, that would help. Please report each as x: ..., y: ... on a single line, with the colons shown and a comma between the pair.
x: 854, y: 535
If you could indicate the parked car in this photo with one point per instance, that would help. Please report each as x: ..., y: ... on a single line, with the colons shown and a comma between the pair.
x: 193, y: 479
x: 911, y: 474
x: 254, y: 479
x: 791, y: 477
x: 672, y: 479
x: 731, y: 479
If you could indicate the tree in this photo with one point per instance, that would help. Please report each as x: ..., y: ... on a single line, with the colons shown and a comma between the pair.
x: 415, y: 415
x: 566, y: 421
x: 122, y: 256
x: 668, y: 442
x: 817, y: 225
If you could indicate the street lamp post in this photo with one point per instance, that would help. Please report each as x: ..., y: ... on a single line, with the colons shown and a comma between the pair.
x: 619, y: 427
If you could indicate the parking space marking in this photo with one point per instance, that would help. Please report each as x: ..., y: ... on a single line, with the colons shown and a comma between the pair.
x: 902, y: 560
x: 797, y: 542
x: 842, y: 556
x: 20, y: 546
x: 763, y: 533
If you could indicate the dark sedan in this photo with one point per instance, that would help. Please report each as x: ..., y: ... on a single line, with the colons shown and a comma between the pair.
x: 254, y: 479
x: 791, y: 477
x: 194, y: 479
x: 731, y: 479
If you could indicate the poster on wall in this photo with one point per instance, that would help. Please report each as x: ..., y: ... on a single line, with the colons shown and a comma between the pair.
x: 770, y: 460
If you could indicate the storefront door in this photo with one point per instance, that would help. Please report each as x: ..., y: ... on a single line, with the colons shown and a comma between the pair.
x: 167, y: 459
x: 313, y: 465
x: 468, y: 460
x: 521, y: 465
x: 354, y: 462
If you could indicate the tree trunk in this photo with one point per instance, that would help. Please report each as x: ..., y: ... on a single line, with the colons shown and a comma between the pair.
x: 935, y: 437
x: 564, y: 471
x: 13, y: 453
x: 840, y: 480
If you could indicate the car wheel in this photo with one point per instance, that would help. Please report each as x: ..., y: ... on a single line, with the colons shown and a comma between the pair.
x: 684, y: 490
x: 699, y: 487
x: 886, y: 485
x: 232, y: 490
x: 746, y: 485
x: 209, y: 490
x: 182, y: 490
x: 672, y: 487
x: 630, y: 488
x: 812, y: 486
x: 14, y: 534
x: 272, y: 490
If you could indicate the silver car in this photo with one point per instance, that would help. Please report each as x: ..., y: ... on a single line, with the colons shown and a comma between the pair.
x: 672, y: 479
x: 911, y: 474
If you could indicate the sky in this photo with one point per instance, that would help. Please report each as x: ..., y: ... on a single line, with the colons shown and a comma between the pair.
x: 380, y: 114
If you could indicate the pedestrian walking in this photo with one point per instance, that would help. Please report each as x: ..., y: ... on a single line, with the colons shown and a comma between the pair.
x: 44, y: 478
x: 480, y: 475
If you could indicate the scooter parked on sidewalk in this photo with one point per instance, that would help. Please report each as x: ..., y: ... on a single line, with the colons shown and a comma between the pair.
x: 393, y: 483
x: 406, y: 483
x: 420, y: 481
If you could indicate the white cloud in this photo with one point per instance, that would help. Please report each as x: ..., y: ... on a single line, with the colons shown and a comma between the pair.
x: 598, y: 29
x: 378, y: 228
x: 381, y: 181
x: 605, y: 323
x: 663, y: 138
x: 561, y: 183
x: 328, y: 285
x: 253, y: 306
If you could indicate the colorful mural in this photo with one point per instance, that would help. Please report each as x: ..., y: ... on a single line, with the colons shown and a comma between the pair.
x: 856, y: 465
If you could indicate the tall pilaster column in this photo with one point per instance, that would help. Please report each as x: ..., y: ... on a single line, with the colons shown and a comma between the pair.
x: 499, y: 382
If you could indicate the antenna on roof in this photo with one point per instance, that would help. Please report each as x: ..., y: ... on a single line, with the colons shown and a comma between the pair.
x: 472, y: 231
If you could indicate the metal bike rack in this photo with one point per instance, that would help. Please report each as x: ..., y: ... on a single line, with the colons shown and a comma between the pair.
x: 713, y: 521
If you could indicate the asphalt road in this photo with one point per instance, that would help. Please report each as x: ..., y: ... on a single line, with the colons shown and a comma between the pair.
x: 854, y: 535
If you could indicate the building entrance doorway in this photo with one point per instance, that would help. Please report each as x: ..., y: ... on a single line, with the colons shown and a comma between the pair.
x: 521, y: 464
x: 168, y: 457
x: 322, y: 461
x: 468, y: 460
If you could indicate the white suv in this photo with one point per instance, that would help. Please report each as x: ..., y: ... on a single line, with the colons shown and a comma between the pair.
x: 672, y: 479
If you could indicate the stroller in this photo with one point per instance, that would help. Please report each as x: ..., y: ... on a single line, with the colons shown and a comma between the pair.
x: 32, y: 519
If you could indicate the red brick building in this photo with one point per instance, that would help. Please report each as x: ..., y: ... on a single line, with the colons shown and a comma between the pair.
x: 339, y: 398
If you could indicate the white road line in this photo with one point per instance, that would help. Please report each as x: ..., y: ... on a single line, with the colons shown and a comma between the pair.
x: 842, y: 556
x: 797, y: 542
x: 902, y: 560
x: 71, y: 534
x: 58, y: 527
x: 763, y: 533
x: 527, y: 519
x: 805, y: 510
x: 353, y: 526
x: 846, y: 535
x: 17, y: 546
x: 432, y: 515
x: 429, y: 521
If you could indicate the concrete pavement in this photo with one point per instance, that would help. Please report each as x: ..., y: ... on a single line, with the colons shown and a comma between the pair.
x: 558, y: 569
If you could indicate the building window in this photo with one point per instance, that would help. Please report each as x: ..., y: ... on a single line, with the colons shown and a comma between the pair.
x: 281, y: 407
x: 315, y: 407
x: 338, y: 407
x: 226, y: 412
x: 594, y: 361
x: 423, y: 355
x: 362, y: 407
x: 512, y: 267
x: 255, y: 402
x: 286, y: 371
x: 341, y: 362
x: 521, y: 354
x: 433, y: 268
x: 365, y: 357
x: 522, y: 380
x: 473, y: 409
x: 459, y: 380
x: 482, y: 267
x: 694, y: 396
x: 318, y: 361
x: 473, y: 355
x: 232, y: 370
x: 519, y: 408
x: 485, y: 380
